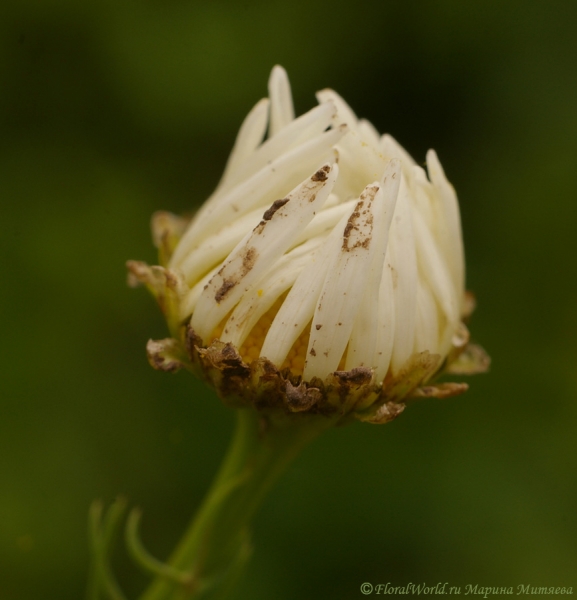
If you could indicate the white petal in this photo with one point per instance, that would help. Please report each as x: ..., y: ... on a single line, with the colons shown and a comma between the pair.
x: 217, y: 247
x: 298, y: 307
x: 259, y: 299
x: 433, y: 269
x: 369, y: 134
x: 307, y: 126
x: 344, y: 112
x: 325, y: 220
x: 281, y: 102
x: 333, y: 198
x: 403, y: 261
x: 424, y: 197
x: 427, y: 329
x: 362, y: 350
x: 391, y: 148
x: 275, y: 179
x: 249, y: 137
x: 343, y: 288
x: 360, y: 162
x: 451, y: 237
x: 385, y: 323
x: 188, y: 304
x: 261, y: 248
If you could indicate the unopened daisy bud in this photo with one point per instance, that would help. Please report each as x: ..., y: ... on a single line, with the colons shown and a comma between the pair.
x: 325, y: 274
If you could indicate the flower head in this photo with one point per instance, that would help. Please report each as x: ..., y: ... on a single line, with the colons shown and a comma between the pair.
x: 325, y: 274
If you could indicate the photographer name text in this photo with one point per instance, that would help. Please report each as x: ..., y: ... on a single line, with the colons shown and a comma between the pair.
x: 441, y: 589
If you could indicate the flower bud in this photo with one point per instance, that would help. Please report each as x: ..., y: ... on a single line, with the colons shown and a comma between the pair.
x: 324, y: 275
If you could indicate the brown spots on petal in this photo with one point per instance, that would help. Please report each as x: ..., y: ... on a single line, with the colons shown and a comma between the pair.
x: 224, y: 289
x: 275, y: 206
x: 348, y: 228
x: 313, y: 352
x: 248, y: 260
x: 318, y: 326
x: 259, y: 228
x: 352, y: 225
x: 249, y: 257
x: 321, y: 174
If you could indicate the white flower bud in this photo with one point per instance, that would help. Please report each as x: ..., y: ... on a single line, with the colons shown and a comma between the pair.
x: 325, y: 273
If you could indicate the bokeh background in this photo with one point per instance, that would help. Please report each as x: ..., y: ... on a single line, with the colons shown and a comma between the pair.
x: 112, y: 110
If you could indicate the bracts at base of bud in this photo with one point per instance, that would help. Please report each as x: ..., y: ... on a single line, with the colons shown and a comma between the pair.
x: 342, y: 396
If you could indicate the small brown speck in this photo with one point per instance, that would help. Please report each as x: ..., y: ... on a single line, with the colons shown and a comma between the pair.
x: 275, y: 206
x: 259, y: 228
x: 321, y: 174
x: 349, y: 227
x: 317, y: 327
x: 248, y: 260
x: 313, y: 352
x: 226, y: 286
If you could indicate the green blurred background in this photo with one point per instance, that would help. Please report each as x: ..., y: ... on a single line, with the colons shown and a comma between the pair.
x: 112, y: 110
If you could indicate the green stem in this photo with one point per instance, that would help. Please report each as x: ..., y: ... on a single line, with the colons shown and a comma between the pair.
x: 216, y: 540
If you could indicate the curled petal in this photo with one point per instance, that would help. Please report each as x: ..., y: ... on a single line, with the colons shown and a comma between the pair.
x: 255, y: 254
x: 282, y: 110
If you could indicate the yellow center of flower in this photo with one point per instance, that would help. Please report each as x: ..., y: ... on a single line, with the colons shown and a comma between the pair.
x: 251, y: 347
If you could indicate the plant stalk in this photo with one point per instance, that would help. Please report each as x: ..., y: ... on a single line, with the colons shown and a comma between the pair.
x: 216, y: 545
